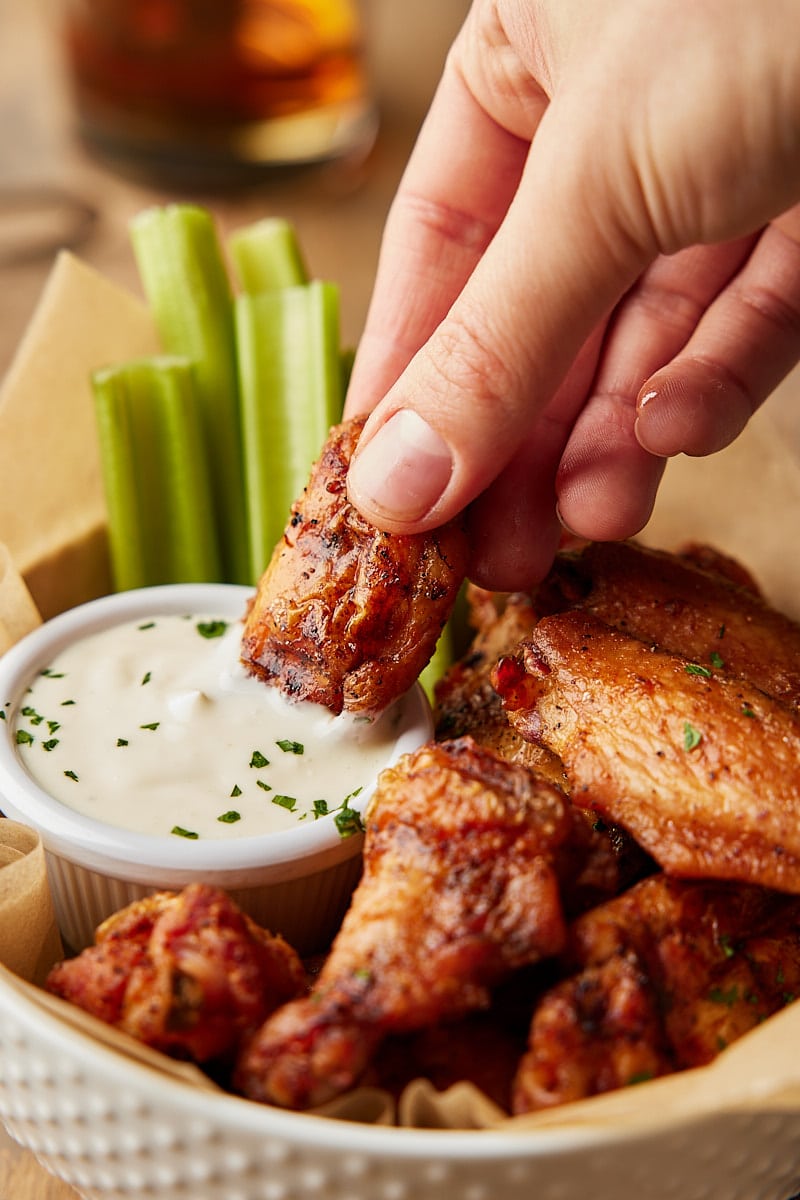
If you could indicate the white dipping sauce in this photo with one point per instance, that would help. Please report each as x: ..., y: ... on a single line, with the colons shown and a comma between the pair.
x: 156, y: 727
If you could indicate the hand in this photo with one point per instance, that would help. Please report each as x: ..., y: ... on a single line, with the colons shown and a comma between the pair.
x: 592, y: 263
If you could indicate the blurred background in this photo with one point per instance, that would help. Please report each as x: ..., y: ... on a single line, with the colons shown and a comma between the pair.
x: 56, y: 190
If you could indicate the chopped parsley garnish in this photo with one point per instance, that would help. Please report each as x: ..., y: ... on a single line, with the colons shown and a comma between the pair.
x: 235, y: 791
x: 179, y: 831
x: 33, y: 716
x: 122, y: 741
x: 348, y: 821
x: 265, y: 787
x: 230, y: 817
x: 211, y: 629
x: 2, y: 714
x: 24, y: 737
x: 50, y: 744
x: 53, y: 726
x: 71, y: 775
x: 49, y: 673
x: 288, y: 802
x: 697, y: 669
x: 320, y: 808
x: 65, y: 703
x: 290, y: 747
x: 257, y: 759
x: 724, y: 996
x: 691, y: 736
x: 747, y: 711
x: 716, y: 660
x: 147, y: 625
x: 146, y: 677
x: 151, y: 725
x: 726, y: 945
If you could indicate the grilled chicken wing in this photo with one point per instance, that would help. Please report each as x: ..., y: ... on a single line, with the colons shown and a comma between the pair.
x: 702, y: 769
x: 346, y: 615
x: 459, y: 889
x: 710, y: 613
x: 186, y: 973
x: 666, y: 976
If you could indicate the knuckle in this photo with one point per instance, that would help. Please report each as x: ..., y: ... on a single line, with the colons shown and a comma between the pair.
x: 471, y: 361
x: 779, y: 312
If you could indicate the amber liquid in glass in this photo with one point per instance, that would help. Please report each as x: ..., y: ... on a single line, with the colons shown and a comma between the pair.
x: 213, y: 85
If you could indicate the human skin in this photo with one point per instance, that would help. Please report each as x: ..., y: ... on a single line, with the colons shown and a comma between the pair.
x: 592, y: 263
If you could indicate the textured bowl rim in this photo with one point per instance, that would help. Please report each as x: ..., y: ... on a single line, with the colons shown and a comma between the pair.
x: 103, y: 847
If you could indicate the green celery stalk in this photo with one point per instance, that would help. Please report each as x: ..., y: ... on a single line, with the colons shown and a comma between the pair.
x: 185, y: 281
x: 155, y: 473
x: 291, y: 393
x: 442, y: 659
x: 267, y: 255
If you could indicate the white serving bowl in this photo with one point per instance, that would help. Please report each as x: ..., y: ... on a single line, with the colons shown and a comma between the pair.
x: 297, y: 881
x: 115, y: 1128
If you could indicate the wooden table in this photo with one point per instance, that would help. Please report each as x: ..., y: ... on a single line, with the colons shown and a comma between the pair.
x: 338, y: 214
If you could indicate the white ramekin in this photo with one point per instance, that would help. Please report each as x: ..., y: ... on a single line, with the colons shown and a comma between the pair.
x: 296, y: 882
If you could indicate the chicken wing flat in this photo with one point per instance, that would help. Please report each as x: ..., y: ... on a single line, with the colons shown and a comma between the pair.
x: 668, y: 974
x: 459, y: 889
x: 699, y: 605
x: 346, y: 615
x: 701, y: 768
x: 187, y: 973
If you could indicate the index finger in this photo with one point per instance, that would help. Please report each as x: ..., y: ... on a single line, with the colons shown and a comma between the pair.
x: 455, y: 191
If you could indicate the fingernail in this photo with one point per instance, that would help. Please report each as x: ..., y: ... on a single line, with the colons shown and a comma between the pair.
x: 402, y: 471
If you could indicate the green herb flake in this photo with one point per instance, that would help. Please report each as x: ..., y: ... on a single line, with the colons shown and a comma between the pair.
x: 726, y: 945
x: 53, y: 726
x: 348, y: 821
x: 33, y: 716
x: 151, y: 725
x: 179, y: 831
x: 320, y: 808
x: 287, y: 802
x: 24, y: 737
x: 716, y: 660
x: 49, y: 673
x: 146, y: 677
x: 2, y: 714
x: 257, y: 759
x: 290, y: 747
x: 230, y: 817
x: 265, y: 787
x: 211, y: 629
x: 66, y: 703
x: 71, y: 775
x: 747, y: 711
x: 697, y: 669
x: 640, y: 1077
x: 147, y: 625
x: 235, y: 791
x: 726, y: 996
x: 122, y: 741
x: 50, y: 744
x: 691, y: 737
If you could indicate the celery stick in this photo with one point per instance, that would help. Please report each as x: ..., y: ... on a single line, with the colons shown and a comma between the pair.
x: 267, y: 256
x: 291, y: 393
x: 441, y: 660
x: 186, y: 284
x: 156, y: 476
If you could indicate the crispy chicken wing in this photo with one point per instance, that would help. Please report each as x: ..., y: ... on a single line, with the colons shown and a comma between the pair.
x: 703, y: 769
x: 459, y: 889
x: 666, y: 976
x: 346, y: 615
x: 186, y: 973
x: 698, y: 605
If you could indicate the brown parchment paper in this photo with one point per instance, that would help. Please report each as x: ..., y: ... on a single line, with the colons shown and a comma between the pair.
x: 744, y: 500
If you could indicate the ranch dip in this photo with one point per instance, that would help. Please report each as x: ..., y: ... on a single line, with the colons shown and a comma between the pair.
x: 156, y: 727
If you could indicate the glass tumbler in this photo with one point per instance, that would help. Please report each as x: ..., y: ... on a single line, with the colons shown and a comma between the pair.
x: 210, y: 90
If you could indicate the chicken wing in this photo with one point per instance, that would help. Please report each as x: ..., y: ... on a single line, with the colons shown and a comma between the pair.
x: 459, y: 889
x: 666, y: 976
x: 187, y: 973
x: 703, y: 769
x: 699, y: 605
x: 346, y: 615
